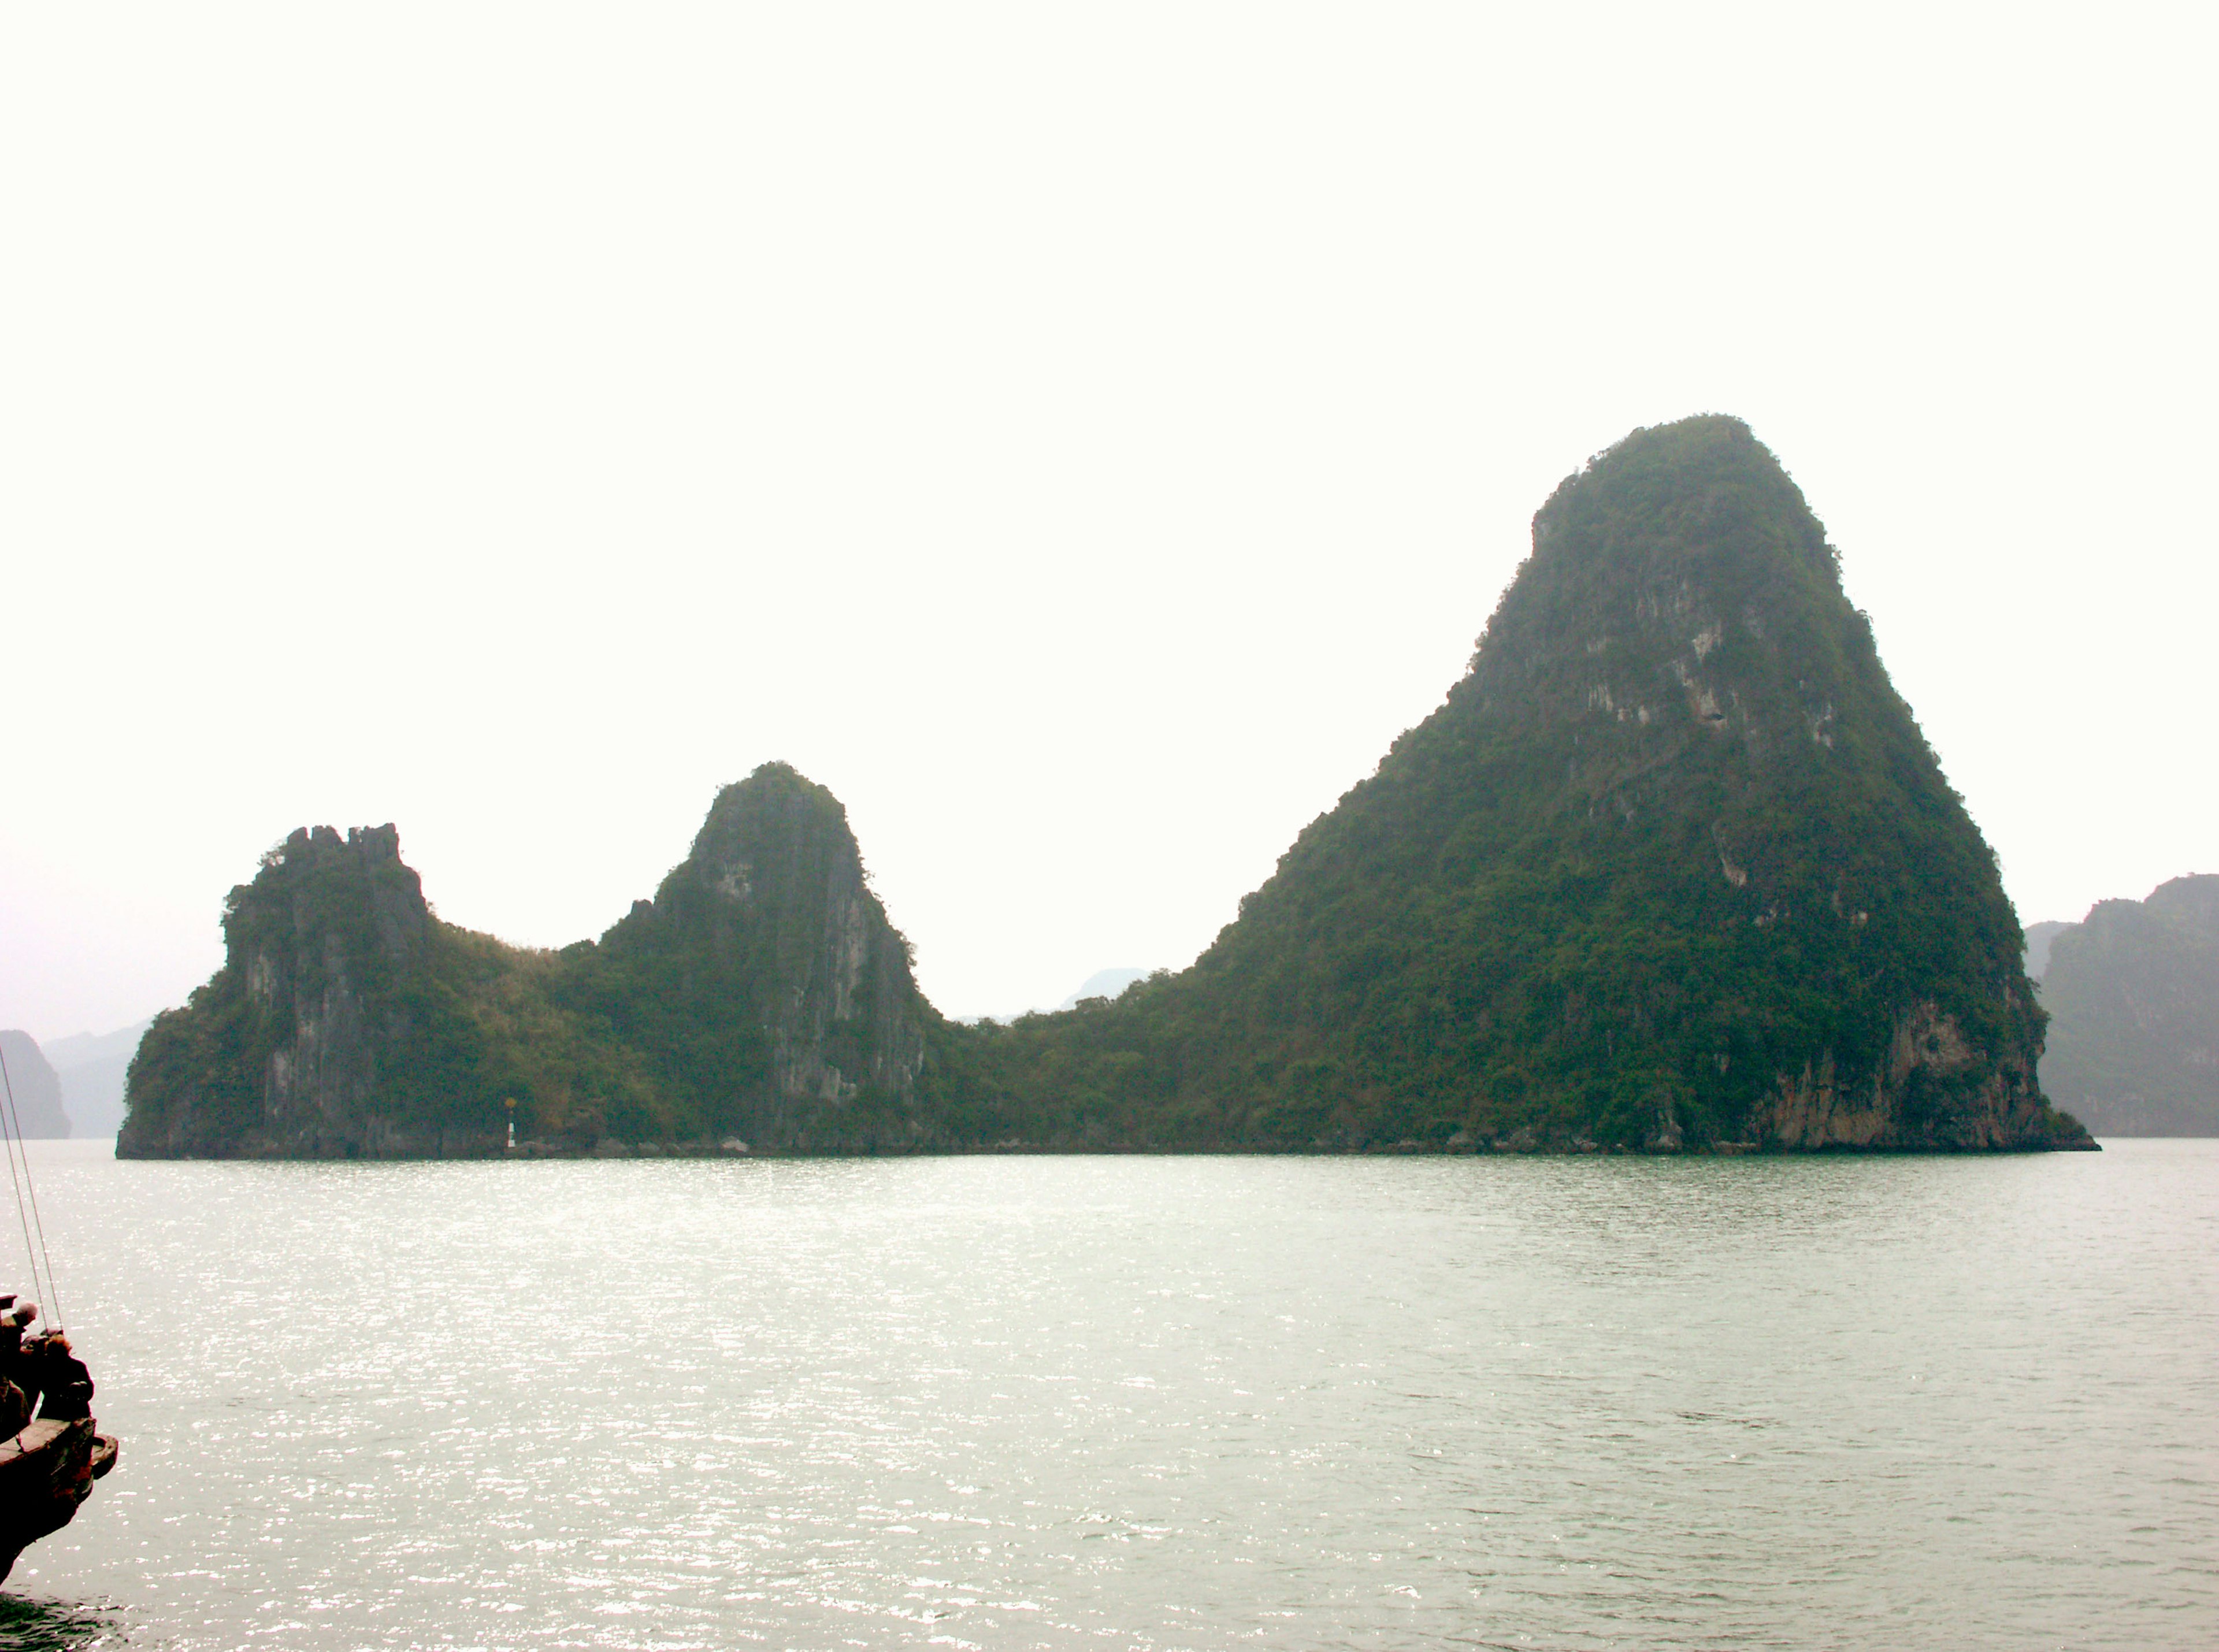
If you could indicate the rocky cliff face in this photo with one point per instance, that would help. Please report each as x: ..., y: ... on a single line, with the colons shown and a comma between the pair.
x: 322, y: 1035
x: 36, y: 1086
x: 2133, y: 995
x: 1934, y: 1092
x: 766, y: 971
x: 1673, y: 866
x: 761, y: 994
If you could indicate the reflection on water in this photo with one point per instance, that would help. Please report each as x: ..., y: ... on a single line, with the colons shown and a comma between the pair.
x: 31, y: 1626
x: 1147, y: 1403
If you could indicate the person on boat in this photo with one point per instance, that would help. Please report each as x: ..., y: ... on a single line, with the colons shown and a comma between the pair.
x: 19, y: 1352
x: 14, y: 1404
x: 64, y: 1381
x: 12, y: 1325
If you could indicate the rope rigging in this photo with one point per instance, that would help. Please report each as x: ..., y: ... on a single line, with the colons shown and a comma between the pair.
x: 27, y: 1196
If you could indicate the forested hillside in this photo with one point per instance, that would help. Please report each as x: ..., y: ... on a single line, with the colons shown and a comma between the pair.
x: 1672, y: 865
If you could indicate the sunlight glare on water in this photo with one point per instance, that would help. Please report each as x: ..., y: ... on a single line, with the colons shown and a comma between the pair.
x: 1147, y: 1403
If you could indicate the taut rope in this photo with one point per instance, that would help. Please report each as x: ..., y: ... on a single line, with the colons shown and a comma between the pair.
x: 13, y: 1132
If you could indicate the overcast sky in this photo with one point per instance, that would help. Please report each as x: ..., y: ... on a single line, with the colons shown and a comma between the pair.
x: 1082, y: 438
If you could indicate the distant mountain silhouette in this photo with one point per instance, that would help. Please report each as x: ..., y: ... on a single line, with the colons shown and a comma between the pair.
x: 92, y: 1066
x: 2038, y: 938
x: 36, y: 1089
x: 1103, y: 984
x: 2132, y: 995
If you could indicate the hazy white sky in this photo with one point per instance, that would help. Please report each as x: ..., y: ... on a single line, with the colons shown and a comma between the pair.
x: 1081, y: 438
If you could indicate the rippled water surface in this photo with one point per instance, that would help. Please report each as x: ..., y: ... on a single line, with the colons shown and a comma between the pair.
x: 1144, y: 1403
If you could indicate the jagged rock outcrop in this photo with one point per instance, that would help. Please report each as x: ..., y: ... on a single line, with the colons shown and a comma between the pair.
x: 767, y: 981
x: 330, y: 1032
x: 2133, y: 995
x: 1672, y: 868
x: 36, y: 1086
x: 1935, y: 1092
x: 761, y: 995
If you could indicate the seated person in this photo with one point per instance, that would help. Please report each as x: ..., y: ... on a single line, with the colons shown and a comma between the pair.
x: 64, y: 1381
x: 14, y: 1327
x: 22, y: 1364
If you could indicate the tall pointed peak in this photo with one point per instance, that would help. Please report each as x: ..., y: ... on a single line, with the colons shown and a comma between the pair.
x: 1673, y: 864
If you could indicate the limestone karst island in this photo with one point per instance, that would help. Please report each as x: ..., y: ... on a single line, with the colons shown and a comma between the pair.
x: 1672, y: 869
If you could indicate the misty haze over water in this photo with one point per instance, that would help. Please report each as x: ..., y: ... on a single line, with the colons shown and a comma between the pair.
x: 1787, y: 1402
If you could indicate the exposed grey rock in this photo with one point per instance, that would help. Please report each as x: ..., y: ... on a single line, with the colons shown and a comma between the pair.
x: 769, y: 945
x: 761, y: 996
x: 314, y: 1040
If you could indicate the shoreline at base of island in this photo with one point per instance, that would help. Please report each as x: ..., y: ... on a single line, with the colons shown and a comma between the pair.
x: 610, y: 1148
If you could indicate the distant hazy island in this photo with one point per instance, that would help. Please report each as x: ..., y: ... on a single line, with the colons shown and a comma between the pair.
x: 1672, y: 869
x: 33, y: 1088
x: 2132, y: 995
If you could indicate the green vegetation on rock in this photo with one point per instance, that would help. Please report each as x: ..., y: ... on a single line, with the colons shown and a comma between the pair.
x: 1671, y: 868
x: 762, y: 987
x: 345, y: 1018
x: 761, y: 995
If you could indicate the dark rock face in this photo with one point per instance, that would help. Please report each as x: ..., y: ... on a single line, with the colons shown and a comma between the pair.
x: 319, y: 972
x: 36, y: 1087
x: 2133, y: 995
x: 322, y: 1035
x: 1672, y: 868
x: 766, y: 977
x: 761, y: 994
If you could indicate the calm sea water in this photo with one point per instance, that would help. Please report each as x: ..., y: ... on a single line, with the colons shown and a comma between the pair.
x: 1145, y: 1403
